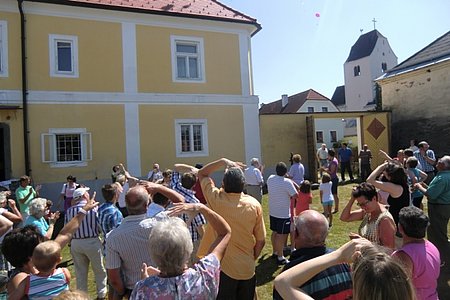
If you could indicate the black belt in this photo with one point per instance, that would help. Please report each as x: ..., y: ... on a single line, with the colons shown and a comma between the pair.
x: 429, y: 172
x: 253, y: 185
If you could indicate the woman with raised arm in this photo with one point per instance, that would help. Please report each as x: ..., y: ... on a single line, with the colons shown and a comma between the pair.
x: 170, y: 247
x: 377, y: 223
x: 396, y: 185
x: 375, y: 274
x: 18, y: 245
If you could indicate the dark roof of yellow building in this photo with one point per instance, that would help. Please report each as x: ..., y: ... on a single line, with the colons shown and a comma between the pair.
x: 202, y: 9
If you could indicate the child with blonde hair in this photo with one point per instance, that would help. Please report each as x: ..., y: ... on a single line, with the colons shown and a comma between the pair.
x: 50, y: 281
x: 326, y: 197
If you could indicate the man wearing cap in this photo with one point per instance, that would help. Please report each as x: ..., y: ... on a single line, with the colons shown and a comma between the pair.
x: 254, y: 179
x: 86, y: 245
x: 427, y: 160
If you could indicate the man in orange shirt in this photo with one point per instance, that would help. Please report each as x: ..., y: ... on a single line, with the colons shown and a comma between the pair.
x: 244, y: 215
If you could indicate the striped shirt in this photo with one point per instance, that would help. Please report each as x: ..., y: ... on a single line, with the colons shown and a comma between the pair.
x: 127, y: 247
x: 89, y: 226
x: 332, y: 283
x: 280, y: 190
x: 189, y: 197
x: 425, y: 165
x: 39, y: 287
x: 109, y: 217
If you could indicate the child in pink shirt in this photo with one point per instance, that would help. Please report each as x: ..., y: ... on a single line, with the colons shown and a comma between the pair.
x: 301, y: 203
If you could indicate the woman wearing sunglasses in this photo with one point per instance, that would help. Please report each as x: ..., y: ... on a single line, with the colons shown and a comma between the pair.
x: 377, y: 223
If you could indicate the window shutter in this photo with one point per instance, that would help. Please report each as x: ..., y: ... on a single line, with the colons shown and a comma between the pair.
x: 86, y: 146
x: 48, y: 147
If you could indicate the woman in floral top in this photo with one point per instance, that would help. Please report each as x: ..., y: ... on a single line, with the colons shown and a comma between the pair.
x: 170, y: 247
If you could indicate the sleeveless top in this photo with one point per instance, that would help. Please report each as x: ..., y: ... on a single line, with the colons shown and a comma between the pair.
x: 39, y: 287
x: 426, y: 268
x: 400, y: 202
x: 369, y: 228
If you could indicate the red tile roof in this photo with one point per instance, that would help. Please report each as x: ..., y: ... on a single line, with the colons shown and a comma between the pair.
x: 294, y: 103
x: 210, y: 9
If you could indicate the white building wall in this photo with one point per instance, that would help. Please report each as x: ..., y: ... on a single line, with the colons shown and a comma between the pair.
x: 327, y: 125
x: 359, y: 90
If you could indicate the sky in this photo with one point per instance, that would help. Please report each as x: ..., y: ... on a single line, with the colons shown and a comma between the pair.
x: 303, y: 44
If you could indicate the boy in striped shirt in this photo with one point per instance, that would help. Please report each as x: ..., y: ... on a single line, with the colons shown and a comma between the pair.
x: 50, y: 281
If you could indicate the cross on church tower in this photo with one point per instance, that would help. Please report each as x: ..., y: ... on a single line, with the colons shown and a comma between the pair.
x: 374, y: 21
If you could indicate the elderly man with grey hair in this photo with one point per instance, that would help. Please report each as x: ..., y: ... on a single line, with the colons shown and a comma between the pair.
x: 311, y: 232
x: 438, y: 194
x: 127, y: 245
x: 244, y: 215
x: 254, y: 179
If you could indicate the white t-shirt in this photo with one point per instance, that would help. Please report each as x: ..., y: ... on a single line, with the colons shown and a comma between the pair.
x: 327, y: 196
x: 280, y: 189
x: 121, y: 199
x: 253, y: 176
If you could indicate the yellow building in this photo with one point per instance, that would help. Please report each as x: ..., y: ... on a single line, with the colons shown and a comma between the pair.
x: 417, y: 91
x: 86, y: 84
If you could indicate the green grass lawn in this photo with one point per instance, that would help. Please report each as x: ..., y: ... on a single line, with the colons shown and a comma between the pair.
x: 266, y: 268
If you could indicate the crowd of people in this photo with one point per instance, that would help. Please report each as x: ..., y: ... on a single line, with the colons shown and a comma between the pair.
x: 176, y: 235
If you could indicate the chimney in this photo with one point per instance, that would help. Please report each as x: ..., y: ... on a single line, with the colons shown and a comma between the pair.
x: 284, y: 100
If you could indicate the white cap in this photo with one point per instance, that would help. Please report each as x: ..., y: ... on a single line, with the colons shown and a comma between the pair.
x: 79, y: 192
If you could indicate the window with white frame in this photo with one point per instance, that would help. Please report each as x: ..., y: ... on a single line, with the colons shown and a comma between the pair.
x: 324, y: 109
x: 188, y: 64
x: 191, y: 137
x: 66, y: 147
x: 63, y: 51
x: 356, y: 70
x: 319, y: 136
x: 310, y: 109
x: 3, y: 49
x: 333, y: 136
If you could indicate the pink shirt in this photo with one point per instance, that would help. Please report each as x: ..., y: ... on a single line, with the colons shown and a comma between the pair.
x: 302, y: 203
x: 426, y: 268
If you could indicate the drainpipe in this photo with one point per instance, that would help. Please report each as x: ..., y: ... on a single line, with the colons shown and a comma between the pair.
x: 26, y: 141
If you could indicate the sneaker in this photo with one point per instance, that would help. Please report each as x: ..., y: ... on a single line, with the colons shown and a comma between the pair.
x: 282, y: 261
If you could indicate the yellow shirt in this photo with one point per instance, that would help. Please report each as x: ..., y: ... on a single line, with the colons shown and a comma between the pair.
x: 244, y: 215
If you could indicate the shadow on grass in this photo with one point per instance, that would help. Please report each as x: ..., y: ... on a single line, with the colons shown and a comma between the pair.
x: 265, y: 269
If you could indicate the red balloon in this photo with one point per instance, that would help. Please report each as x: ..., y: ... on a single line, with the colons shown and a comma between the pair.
x: 317, y: 15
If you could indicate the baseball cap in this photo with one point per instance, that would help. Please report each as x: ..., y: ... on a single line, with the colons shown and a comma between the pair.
x: 79, y: 192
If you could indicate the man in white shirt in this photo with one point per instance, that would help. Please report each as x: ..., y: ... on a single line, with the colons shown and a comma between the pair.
x: 281, y: 190
x: 254, y: 179
x: 322, y: 157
